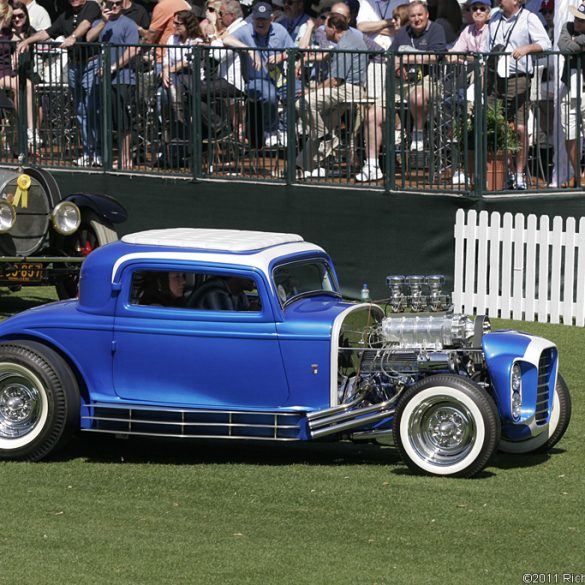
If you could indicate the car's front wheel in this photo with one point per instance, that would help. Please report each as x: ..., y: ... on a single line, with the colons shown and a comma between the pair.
x: 92, y: 233
x: 39, y: 401
x: 559, y: 422
x: 446, y: 425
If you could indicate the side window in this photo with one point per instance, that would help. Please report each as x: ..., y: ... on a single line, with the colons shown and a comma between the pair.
x: 194, y: 290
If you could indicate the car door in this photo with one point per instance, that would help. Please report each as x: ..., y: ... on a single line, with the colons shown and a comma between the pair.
x: 197, y: 358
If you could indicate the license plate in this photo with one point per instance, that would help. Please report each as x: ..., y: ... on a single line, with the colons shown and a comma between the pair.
x: 25, y: 272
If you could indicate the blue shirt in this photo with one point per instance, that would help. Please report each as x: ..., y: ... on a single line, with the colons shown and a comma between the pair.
x: 277, y: 38
x: 350, y: 67
x: 121, y: 31
x: 432, y: 39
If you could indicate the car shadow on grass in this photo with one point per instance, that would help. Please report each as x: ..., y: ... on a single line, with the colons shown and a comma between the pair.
x: 523, y: 460
x: 134, y: 450
x: 11, y: 304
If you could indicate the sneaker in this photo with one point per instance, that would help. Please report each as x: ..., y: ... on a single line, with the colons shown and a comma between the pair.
x: 459, y: 178
x: 97, y: 161
x: 520, y: 183
x: 83, y: 161
x: 369, y: 173
x: 317, y: 173
x: 33, y: 137
x: 271, y: 140
x: 417, y: 144
x: 282, y: 138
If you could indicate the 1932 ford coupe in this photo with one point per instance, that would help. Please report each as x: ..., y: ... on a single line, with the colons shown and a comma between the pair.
x: 198, y: 333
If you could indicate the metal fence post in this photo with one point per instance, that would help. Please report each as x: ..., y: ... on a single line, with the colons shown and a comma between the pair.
x: 106, y: 99
x: 479, y: 126
x: 291, y: 126
x: 22, y: 116
x: 390, y: 123
x: 196, y: 134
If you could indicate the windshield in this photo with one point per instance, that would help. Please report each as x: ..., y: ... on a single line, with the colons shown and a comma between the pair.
x: 311, y: 276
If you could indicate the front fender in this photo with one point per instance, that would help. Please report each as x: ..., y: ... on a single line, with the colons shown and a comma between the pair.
x: 102, y: 205
x: 502, y: 349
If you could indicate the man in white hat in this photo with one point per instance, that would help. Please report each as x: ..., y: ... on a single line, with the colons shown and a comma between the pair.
x: 515, y: 33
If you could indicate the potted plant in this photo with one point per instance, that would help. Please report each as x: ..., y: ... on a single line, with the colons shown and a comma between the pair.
x: 497, y: 137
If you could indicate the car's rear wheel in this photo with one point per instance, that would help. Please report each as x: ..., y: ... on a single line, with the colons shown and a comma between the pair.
x: 446, y: 425
x: 559, y: 422
x: 39, y: 401
x: 93, y: 232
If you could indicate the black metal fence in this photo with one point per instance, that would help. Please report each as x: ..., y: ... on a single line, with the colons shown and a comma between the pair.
x: 450, y: 126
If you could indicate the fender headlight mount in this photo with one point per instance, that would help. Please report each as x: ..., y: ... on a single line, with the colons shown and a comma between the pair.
x: 66, y: 218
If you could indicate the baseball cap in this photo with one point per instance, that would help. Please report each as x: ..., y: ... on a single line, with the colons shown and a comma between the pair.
x: 578, y: 11
x: 483, y: 2
x: 262, y: 10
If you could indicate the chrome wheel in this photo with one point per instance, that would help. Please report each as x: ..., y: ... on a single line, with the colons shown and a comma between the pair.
x: 442, y: 431
x: 23, y: 405
x: 446, y: 425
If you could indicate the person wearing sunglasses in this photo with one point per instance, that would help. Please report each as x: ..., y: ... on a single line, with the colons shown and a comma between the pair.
x: 515, y: 34
x: 121, y: 34
x: 473, y: 37
x: 465, y: 50
x: 9, y: 78
x: 161, y: 26
x: 265, y: 45
x: 21, y: 26
x: 212, y: 25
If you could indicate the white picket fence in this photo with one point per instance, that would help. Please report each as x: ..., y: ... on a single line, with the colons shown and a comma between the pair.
x: 520, y: 268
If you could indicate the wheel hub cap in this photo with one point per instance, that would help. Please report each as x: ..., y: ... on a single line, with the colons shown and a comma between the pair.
x: 446, y: 427
x: 442, y: 430
x: 19, y: 408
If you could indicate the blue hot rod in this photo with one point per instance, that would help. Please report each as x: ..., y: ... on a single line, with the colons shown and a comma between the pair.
x: 230, y: 334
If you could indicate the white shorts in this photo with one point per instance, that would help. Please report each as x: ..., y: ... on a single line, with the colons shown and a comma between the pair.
x: 569, y: 114
x: 376, y: 81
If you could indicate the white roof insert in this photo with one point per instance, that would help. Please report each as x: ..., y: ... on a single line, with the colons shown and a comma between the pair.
x: 211, y: 239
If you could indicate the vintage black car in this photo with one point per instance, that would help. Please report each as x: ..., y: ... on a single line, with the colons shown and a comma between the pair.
x: 44, y: 237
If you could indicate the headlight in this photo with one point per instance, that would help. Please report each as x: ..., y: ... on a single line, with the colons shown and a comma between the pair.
x: 66, y: 218
x: 7, y: 216
x: 516, y: 391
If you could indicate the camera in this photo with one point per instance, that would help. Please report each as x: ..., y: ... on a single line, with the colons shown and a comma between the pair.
x: 414, y: 74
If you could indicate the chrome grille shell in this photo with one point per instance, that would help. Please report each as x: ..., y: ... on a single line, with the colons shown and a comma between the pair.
x: 545, y: 371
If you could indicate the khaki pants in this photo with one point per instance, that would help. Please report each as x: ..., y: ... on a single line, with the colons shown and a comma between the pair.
x: 321, y: 112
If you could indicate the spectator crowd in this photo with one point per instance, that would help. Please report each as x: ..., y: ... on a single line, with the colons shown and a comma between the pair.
x: 348, y: 60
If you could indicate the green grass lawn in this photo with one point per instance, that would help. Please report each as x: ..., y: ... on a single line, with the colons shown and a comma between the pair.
x: 133, y: 511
